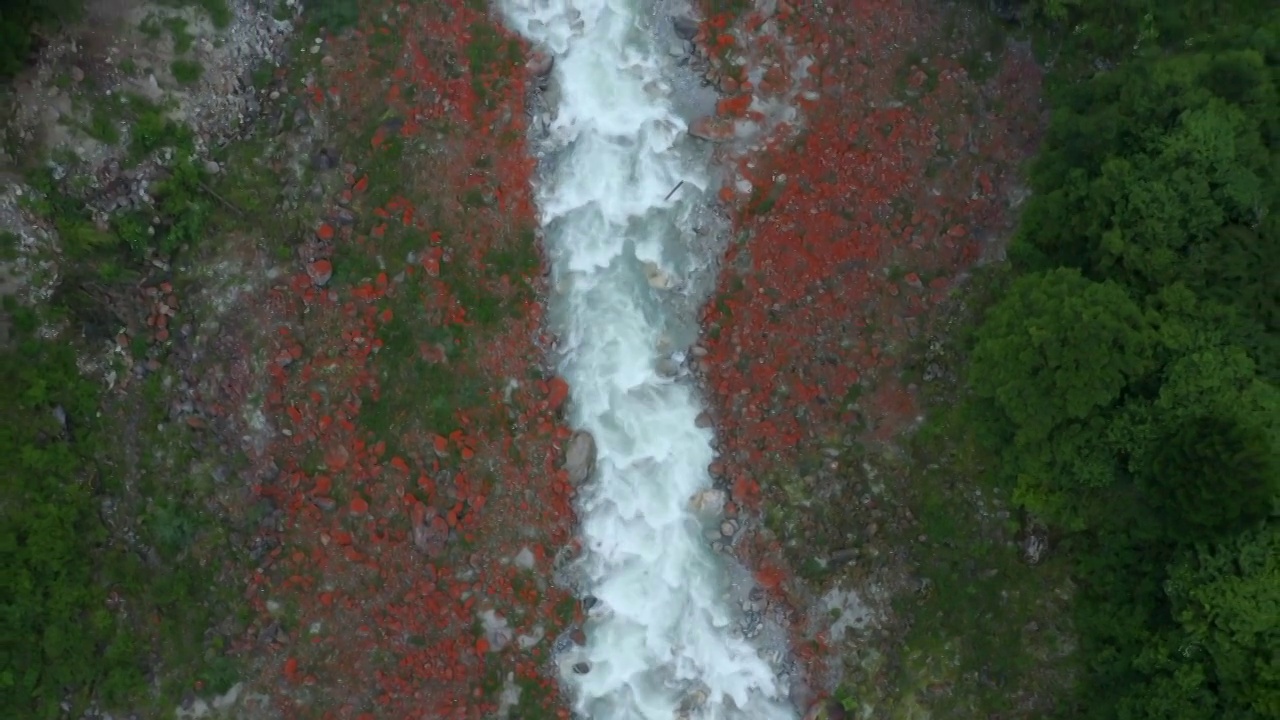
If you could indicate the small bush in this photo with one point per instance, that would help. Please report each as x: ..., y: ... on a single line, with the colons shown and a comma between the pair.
x: 332, y: 15
x: 186, y: 71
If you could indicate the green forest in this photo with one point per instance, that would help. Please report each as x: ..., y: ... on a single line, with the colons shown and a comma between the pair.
x: 1126, y: 380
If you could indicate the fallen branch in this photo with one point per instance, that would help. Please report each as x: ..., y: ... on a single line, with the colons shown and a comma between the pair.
x: 673, y: 191
x: 230, y: 205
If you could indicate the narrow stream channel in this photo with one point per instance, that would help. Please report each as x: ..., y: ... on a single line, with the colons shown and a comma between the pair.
x: 665, y: 637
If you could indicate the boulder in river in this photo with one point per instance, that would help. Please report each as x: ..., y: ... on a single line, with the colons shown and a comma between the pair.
x: 657, y: 277
x: 686, y: 27
x: 708, y: 503
x: 580, y: 457
x: 539, y: 64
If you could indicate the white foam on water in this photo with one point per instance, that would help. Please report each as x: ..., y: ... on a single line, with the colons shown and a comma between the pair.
x: 663, y: 641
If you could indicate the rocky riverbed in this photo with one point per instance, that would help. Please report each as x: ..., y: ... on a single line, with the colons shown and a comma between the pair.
x: 354, y: 350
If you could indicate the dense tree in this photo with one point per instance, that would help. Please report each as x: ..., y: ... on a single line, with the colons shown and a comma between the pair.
x: 1053, y: 358
x: 1210, y: 475
x: 1128, y: 379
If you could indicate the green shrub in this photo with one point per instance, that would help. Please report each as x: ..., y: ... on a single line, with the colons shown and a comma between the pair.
x: 332, y: 15
x: 21, y: 20
x: 186, y: 71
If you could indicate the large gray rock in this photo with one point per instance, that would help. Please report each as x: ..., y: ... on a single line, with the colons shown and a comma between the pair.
x: 580, y: 457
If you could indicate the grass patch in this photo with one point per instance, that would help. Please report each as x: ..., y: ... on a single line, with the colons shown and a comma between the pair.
x: 969, y: 624
x: 331, y: 15
x: 420, y: 395
x: 186, y: 71
x: 103, y: 124
x: 182, y: 39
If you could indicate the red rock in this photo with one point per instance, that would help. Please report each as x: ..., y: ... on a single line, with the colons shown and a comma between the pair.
x: 359, y: 506
x: 320, y: 271
x: 557, y: 393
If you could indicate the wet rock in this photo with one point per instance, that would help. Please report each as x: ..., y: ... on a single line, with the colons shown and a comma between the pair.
x: 703, y: 421
x: 666, y: 367
x: 540, y: 64
x: 686, y: 28
x: 692, y: 702
x: 582, y: 668
x: 708, y: 502
x: 580, y: 457
x: 728, y: 528
x: 658, y: 279
x: 712, y: 129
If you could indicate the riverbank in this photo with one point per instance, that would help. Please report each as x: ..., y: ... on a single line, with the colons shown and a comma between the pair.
x: 831, y: 341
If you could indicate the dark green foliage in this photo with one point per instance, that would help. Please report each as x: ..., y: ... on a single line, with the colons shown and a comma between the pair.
x: 1211, y: 474
x: 181, y: 201
x: 57, y: 637
x: 22, y: 22
x: 332, y: 15
x: 1127, y: 379
x: 186, y: 71
x: 1058, y: 348
x: 1085, y: 31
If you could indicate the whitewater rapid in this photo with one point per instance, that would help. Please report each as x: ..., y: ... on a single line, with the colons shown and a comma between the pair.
x: 663, y: 638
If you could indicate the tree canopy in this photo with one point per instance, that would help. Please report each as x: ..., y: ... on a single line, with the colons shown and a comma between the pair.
x: 1127, y: 380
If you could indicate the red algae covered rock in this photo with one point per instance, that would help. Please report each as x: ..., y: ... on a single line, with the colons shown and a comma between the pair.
x: 320, y: 271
